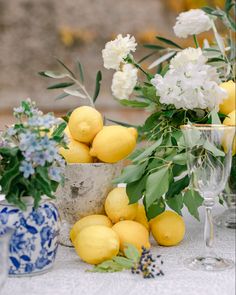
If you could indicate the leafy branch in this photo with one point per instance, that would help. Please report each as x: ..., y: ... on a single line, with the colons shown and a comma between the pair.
x: 76, y: 85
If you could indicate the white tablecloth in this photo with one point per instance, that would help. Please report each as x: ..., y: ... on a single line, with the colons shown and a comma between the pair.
x: 68, y: 277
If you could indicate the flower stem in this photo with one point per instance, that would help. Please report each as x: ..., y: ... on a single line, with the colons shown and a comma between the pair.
x: 195, y: 41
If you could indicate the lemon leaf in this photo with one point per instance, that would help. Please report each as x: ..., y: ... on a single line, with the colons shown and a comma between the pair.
x: 157, y: 185
x: 131, y: 252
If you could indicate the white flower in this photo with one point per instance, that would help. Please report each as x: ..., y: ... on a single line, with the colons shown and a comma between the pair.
x: 192, y: 22
x: 115, y: 51
x: 190, y: 83
x: 124, y: 81
x: 190, y: 54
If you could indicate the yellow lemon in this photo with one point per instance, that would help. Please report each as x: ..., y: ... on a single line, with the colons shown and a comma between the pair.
x: 113, y: 143
x: 132, y: 232
x: 168, y: 228
x: 77, y: 152
x: 97, y: 243
x: 117, y: 205
x: 84, y: 123
x: 86, y: 221
x: 141, y: 216
x: 231, y: 120
x: 67, y: 132
x: 228, y: 104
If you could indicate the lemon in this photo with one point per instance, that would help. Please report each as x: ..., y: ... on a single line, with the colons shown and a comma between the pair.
x: 77, y: 152
x: 132, y: 232
x: 84, y: 123
x: 97, y: 243
x: 141, y: 216
x: 113, y: 143
x: 231, y: 120
x: 117, y: 205
x: 67, y: 132
x: 168, y: 228
x: 86, y: 221
x: 229, y: 104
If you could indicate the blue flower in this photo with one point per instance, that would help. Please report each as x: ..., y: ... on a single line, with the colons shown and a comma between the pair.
x: 40, y: 158
x: 27, y: 169
x: 41, y: 262
x: 46, y: 234
x: 17, y: 242
x: 29, y: 267
x: 37, y: 217
x: 55, y: 174
x: 51, y: 154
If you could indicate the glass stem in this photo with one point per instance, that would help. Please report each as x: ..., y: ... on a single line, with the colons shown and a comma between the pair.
x: 209, y: 230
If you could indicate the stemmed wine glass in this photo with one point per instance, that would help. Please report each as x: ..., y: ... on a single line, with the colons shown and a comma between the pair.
x: 209, y: 151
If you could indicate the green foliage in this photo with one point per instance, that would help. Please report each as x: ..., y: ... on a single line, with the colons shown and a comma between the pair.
x: 15, y: 182
x: 119, y: 263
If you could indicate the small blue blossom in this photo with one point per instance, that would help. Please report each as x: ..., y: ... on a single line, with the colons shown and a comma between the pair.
x: 11, y: 131
x: 27, y: 169
x: 40, y: 158
x: 55, y: 174
x: 51, y: 154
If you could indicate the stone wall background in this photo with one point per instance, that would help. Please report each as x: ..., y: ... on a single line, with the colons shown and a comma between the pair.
x: 33, y: 32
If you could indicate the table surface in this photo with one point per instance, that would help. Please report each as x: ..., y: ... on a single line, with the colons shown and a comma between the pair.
x: 68, y: 276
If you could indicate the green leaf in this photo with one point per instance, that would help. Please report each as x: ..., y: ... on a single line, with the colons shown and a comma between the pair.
x: 148, y: 151
x: 131, y: 173
x: 157, y: 185
x: 161, y: 59
x: 213, y: 149
x: 65, y: 67
x: 133, y: 103
x: 125, y: 262
x: 131, y: 252
x: 121, y: 123
x: 81, y: 72
x: 192, y: 200
x: 9, y: 175
x: 155, y: 209
x: 176, y: 203
x: 98, y: 85
x: 135, y: 189
x: 177, y: 186
x: 74, y: 93
x: 61, y: 85
x: 61, y: 96
x: 153, y: 46
x: 52, y: 74
x: 169, y: 42
x: 59, y: 130
x: 229, y: 4
x: 10, y: 152
x: 180, y: 159
x: 149, y: 92
x: 147, y: 56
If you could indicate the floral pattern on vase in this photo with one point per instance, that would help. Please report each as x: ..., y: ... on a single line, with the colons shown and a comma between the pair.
x: 34, y: 243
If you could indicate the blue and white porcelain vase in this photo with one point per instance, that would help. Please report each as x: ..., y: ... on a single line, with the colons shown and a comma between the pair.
x: 34, y: 243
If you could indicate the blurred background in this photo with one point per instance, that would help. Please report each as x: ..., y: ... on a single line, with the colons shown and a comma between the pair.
x: 34, y: 33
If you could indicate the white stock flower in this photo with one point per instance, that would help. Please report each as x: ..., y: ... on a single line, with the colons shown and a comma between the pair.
x: 116, y: 50
x: 192, y: 22
x: 124, y: 81
x: 190, y: 83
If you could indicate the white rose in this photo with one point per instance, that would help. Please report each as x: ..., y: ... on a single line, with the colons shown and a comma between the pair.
x: 115, y: 51
x: 192, y: 22
x: 124, y: 81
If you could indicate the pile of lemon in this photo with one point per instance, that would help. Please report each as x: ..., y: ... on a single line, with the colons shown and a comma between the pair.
x: 228, y: 107
x: 97, y: 238
x: 90, y: 141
